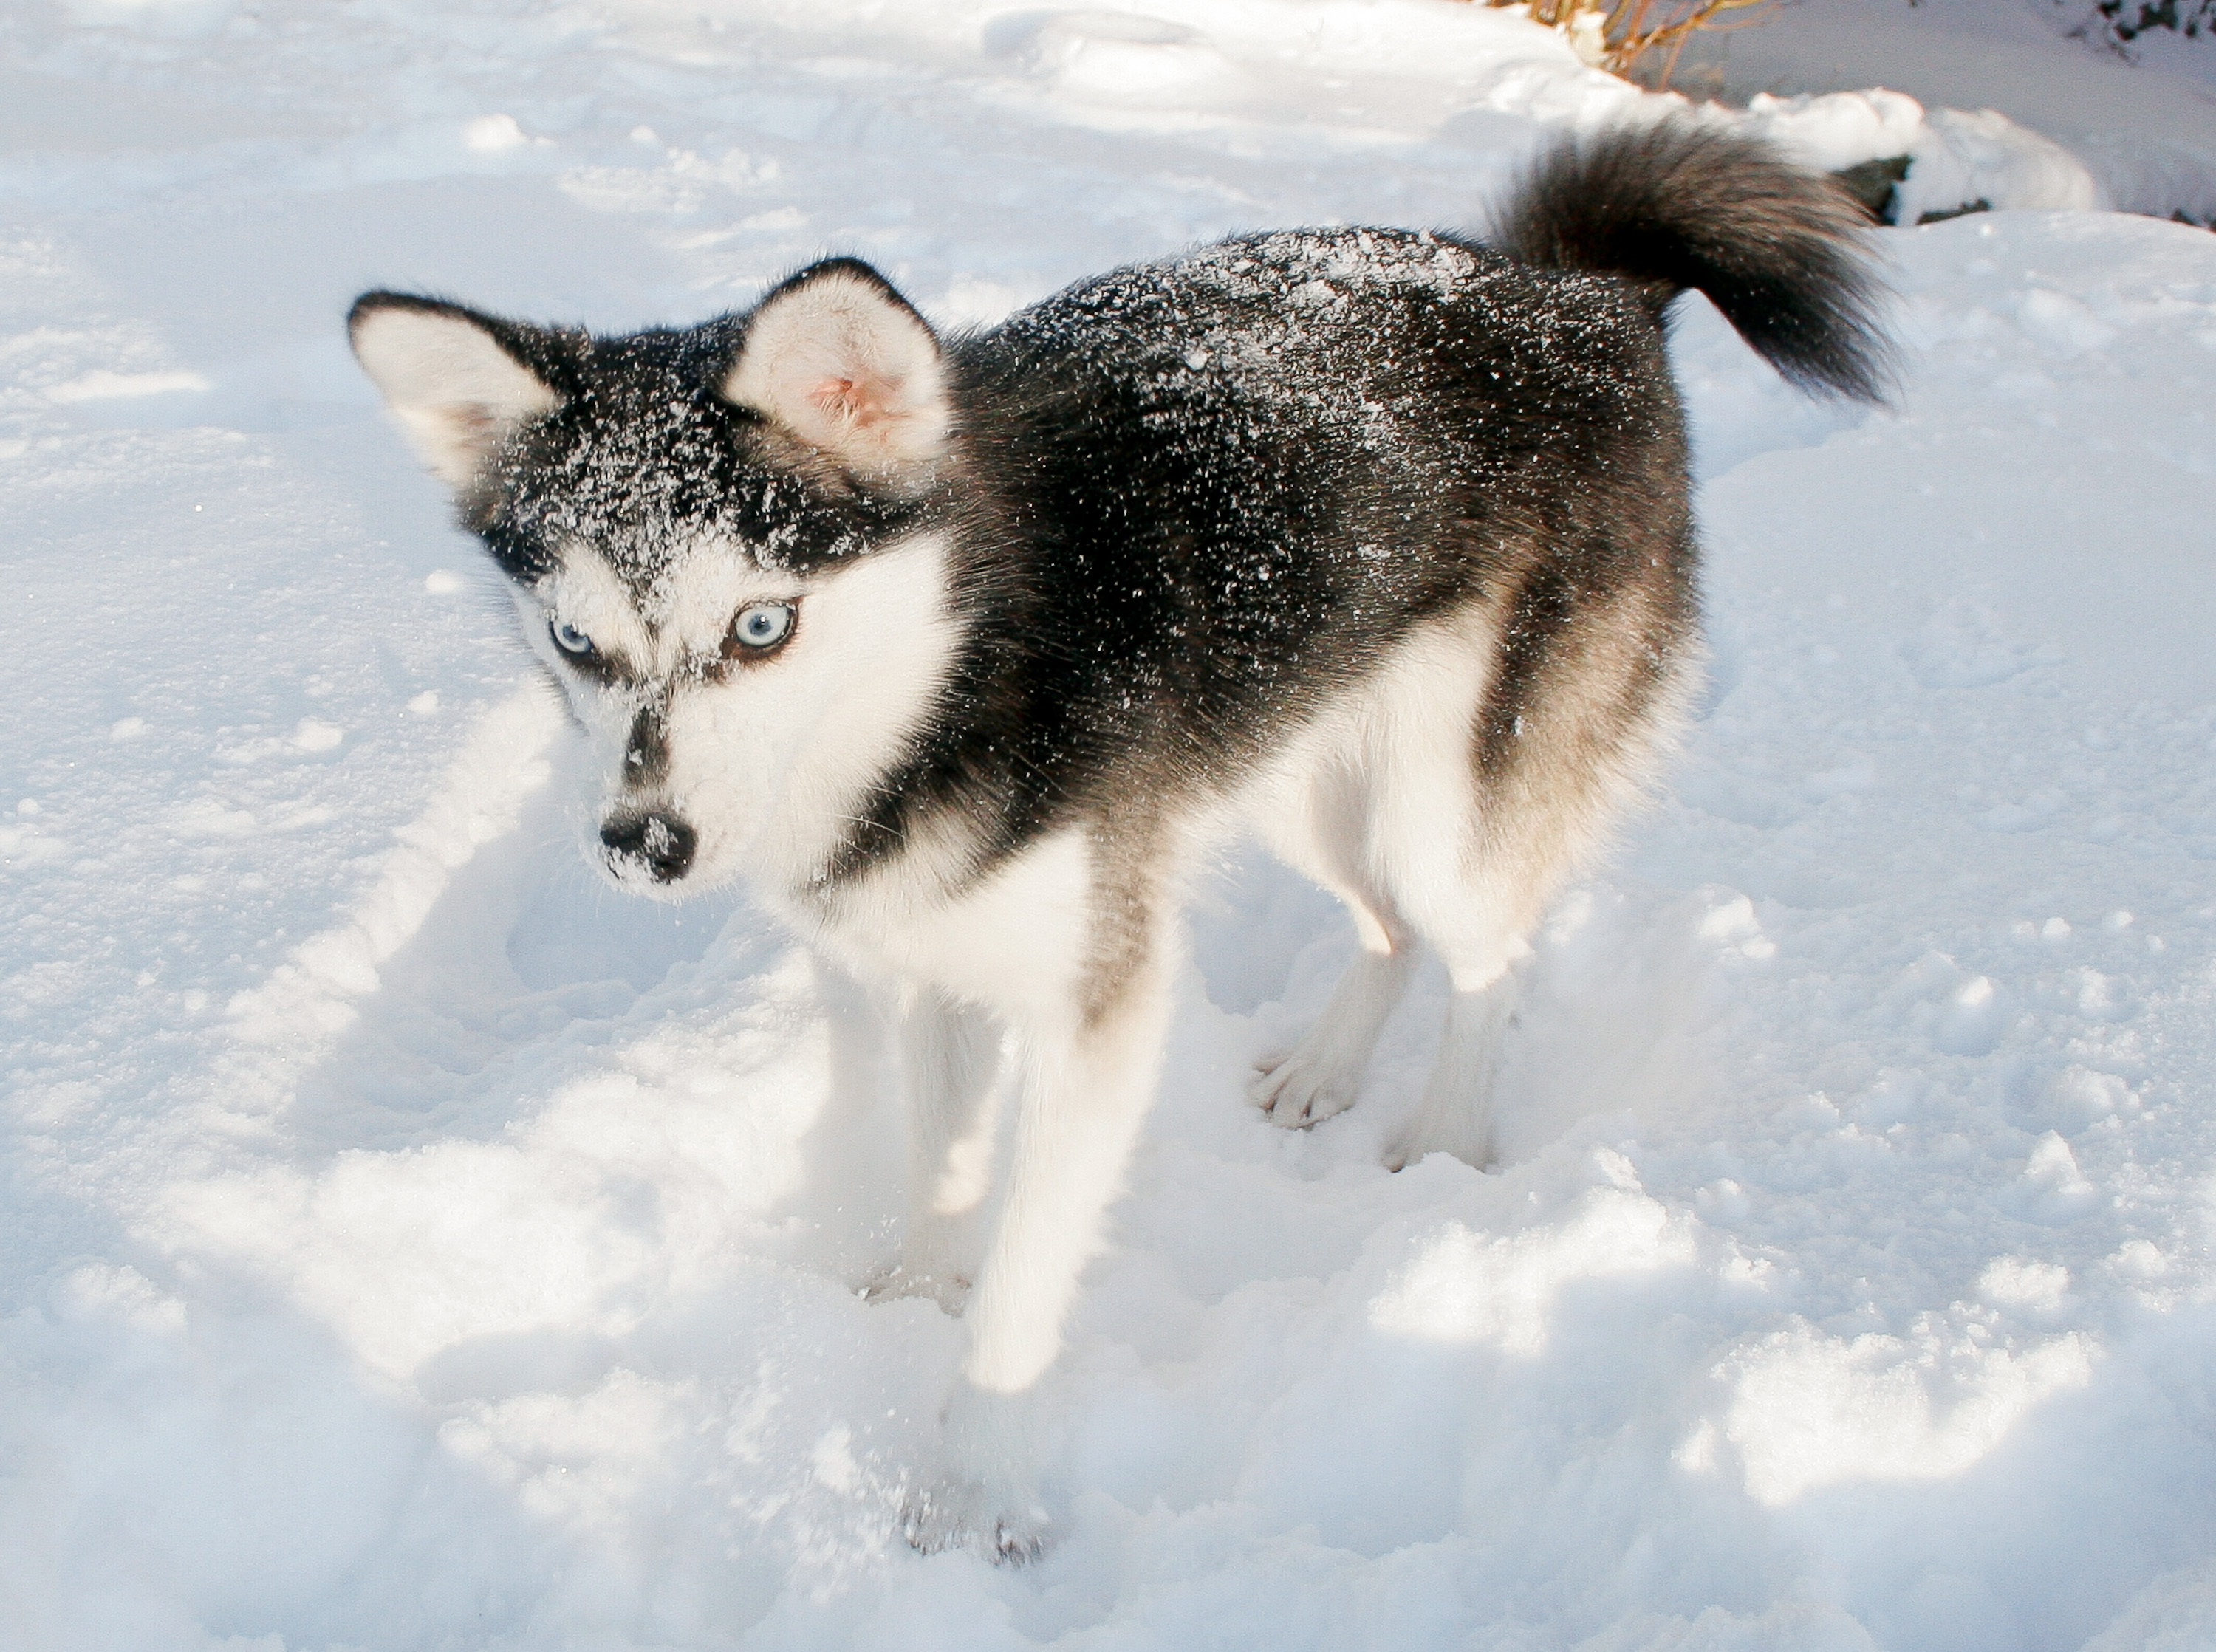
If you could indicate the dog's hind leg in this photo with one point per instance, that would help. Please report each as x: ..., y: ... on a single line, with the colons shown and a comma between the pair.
x: 1456, y: 1114
x: 1323, y: 836
x: 1543, y: 764
x: 1475, y: 906
x: 950, y: 1059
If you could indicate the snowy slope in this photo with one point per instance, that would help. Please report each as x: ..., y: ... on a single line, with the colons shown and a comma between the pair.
x: 2040, y: 116
x: 410, y: 1244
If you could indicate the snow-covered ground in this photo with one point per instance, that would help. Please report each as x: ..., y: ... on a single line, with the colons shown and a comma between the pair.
x: 2019, y: 118
x: 410, y: 1244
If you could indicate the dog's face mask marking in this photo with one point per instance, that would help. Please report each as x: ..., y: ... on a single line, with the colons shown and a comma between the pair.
x: 684, y: 683
x: 707, y: 532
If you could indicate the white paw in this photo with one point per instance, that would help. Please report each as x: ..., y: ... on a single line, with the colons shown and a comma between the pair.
x: 1417, y: 1142
x: 893, y: 1280
x: 1009, y: 1528
x: 1300, y: 1089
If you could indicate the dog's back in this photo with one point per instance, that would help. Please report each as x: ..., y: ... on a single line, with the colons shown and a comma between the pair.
x: 1232, y: 482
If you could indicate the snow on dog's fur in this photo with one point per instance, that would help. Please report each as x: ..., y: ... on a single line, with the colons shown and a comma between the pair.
x: 960, y: 651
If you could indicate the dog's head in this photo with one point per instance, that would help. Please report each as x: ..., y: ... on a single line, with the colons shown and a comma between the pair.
x: 718, y: 541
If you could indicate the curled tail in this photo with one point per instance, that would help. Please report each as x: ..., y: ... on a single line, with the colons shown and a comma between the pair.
x: 1674, y: 205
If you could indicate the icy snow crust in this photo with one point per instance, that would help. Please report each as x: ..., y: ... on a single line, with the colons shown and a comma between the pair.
x: 410, y: 1244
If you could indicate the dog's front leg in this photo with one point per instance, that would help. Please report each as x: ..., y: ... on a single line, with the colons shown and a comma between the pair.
x: 950, y: 1057
x: 1087, y: 1083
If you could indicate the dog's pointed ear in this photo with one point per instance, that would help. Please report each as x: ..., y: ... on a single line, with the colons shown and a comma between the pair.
x: 839, y: 359
x: 453, y: 378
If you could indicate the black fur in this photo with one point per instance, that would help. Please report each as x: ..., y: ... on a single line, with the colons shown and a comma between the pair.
x: 1178, y: 562
x: 1678, y: 205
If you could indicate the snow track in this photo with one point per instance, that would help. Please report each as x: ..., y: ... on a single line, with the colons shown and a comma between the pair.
x: 410, y: 1244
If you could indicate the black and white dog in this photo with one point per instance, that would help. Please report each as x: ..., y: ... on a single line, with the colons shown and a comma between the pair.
x: 959, y: 651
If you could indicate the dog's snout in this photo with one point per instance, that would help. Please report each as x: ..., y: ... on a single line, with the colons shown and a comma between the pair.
x: 662, y: 844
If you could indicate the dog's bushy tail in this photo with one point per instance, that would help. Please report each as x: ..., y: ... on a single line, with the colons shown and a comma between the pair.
x: 1781, y: 251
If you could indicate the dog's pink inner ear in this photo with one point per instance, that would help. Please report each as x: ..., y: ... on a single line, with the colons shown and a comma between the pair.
x: 838, y: 361
x: 845, y: 399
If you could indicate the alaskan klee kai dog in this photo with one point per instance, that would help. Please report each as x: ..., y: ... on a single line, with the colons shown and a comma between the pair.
x: 959, y: 650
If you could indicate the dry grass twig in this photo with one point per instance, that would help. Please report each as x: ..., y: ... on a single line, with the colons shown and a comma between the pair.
x: 1613, y: 34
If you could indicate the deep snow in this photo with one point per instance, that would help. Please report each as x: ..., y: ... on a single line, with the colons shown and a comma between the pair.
x: 411, y: 1244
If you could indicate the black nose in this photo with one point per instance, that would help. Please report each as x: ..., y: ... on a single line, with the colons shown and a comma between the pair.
x: 662, y: 843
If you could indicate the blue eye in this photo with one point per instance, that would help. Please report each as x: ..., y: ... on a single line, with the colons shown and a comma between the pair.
x: 570, y: 640
x: 764, y: 625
